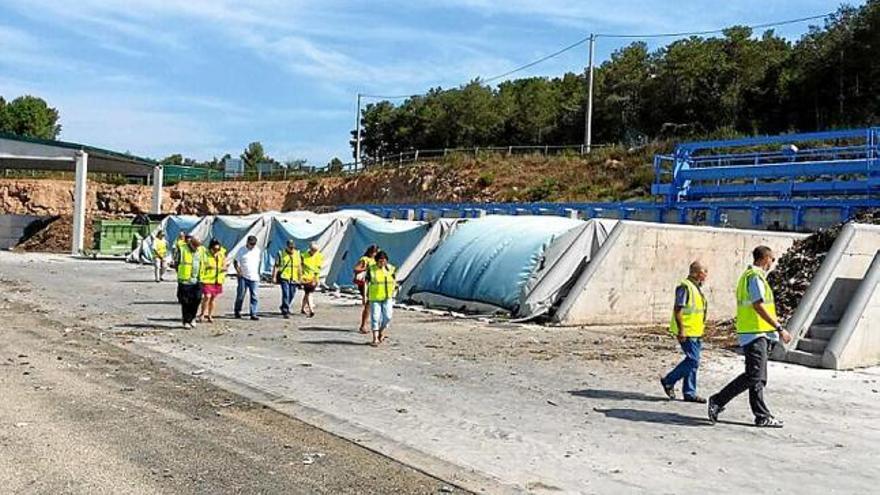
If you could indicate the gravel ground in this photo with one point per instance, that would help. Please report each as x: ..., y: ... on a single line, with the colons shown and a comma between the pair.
x: 80, y: 415
x: 489, y: 406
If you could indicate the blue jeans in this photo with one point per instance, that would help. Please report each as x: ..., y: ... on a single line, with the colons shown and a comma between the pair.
x: 380, y: 314
x: 687, y: 368
x: 250, y: 286
x: 288, y: 291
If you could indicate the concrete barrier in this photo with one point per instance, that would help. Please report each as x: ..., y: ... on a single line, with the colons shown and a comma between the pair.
x: 827, y: 325
x: 856, y: 343
x: 632, y: 278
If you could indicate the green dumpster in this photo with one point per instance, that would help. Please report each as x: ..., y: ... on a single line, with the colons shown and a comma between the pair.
x: 116, y: 237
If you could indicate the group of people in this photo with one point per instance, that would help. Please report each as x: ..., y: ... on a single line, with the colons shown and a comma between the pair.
x: 201, y: 273
x: 757, y: 326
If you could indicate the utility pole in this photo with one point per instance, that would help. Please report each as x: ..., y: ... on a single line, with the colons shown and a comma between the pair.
x: 357, y: 123
x: 588, y: 118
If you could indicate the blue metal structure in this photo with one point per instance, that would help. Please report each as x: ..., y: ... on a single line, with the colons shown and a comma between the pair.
x: 817, y: 164
x: 788, y: 182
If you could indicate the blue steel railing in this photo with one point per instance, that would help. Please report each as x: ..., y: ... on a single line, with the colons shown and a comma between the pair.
x: 801, y: 213
x: 831, y: 163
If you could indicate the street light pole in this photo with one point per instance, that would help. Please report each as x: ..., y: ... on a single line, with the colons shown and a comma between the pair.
x: 588, y: 118
x: 357, y: 123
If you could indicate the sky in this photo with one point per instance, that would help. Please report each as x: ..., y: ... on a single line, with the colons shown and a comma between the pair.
x: 204, y: 78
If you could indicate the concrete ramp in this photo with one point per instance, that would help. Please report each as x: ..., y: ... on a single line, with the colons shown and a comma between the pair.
x: 837, y: 323
x: 632, y: 278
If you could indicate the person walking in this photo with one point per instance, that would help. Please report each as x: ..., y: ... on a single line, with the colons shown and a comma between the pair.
x: 381, y: 284
x: 360, y: 281
x: 189, y: 290
x: 287, y: 273
x: 212, y: 274
x: 759, y: 331
x: 312, y: 263
x: 687, y: 326
x: 247, y: 267
x: 182, y: 240
x: 159, y: 252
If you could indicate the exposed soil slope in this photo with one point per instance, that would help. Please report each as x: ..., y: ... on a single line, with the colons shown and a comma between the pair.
x: 611, y: 174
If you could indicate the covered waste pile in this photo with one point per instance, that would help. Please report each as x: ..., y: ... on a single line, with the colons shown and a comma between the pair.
x: 796, y: 268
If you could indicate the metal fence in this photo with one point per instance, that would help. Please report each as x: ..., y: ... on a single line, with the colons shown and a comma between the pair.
x: 415, y: 156
x: 174, y: 173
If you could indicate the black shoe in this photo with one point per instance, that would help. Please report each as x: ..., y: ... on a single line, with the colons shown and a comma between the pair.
x: 255, y: 318
x: 769, y: 422
x: 668, y: 390
x: 696, y: 398
x: 286, y: 316
x: 713, y: 410
x: 237, y: 316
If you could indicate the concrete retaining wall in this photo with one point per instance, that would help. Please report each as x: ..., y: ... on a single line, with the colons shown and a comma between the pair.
x: 12, y: 228
x: 632, y: 278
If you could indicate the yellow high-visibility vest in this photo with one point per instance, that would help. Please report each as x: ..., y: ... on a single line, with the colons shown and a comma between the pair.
x: 185, y: 264
x: 160, y: 247
x: 693, y: 314
x: 381, y: 283
x: 289, y: 265
x: 747, y: 319
x: 211, y: 269
x: 311, y: 266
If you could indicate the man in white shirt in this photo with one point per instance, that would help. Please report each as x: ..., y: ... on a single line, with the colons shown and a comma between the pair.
x: 247, y: 267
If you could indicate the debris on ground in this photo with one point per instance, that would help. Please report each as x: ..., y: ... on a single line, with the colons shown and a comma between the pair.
x: 795, y: 270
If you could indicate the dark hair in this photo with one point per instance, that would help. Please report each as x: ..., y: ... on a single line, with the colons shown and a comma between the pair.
x: 761, y: 252
x: 252, y: 239
x: 214, y: 242
x: 381, y: 255
x: 371, y: 251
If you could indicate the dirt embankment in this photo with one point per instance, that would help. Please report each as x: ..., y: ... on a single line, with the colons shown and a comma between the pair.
x: 605, y: 176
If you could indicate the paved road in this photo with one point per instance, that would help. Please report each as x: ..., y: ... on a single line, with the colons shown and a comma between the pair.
x: 79, y: 415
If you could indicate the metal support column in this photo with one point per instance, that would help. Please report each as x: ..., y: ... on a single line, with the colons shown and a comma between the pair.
x: 79, y: 203
x: 588, y: 131
x: 157, y: 189
x: 357, y: 123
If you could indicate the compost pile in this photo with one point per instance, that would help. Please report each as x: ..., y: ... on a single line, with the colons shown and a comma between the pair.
x: 796, y: 268
x: 53, y: 235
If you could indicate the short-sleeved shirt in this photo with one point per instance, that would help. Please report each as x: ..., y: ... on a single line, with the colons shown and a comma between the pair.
x: 249, y: 263
x: 756, y: 293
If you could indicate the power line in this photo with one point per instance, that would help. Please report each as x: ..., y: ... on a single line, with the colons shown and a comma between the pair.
x: 716, y: 31
x: 654, y: 35
x: 611, y: 35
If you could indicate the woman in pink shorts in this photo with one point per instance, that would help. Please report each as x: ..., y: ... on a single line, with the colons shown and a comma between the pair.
x: 212, y: 274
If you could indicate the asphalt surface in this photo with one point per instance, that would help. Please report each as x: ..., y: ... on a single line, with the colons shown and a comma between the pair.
x: 80, y: 415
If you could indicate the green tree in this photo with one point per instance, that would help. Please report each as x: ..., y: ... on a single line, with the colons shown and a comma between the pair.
x: 335, y: 165
x: 31, y: 117
x: 253, y: 155
x: 175, y: 159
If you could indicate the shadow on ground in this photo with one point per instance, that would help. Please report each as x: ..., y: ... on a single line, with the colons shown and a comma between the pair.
x: 334, y: 342
x: 657, y: 417
x: 595, y: 393
x: 326, y: 329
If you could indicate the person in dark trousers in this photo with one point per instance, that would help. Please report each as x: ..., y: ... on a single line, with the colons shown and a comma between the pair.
x: 687, y: 326
x: 287, y: 273
x: 247, y: 267
x: 189, y: 290
x: 759, y: 331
